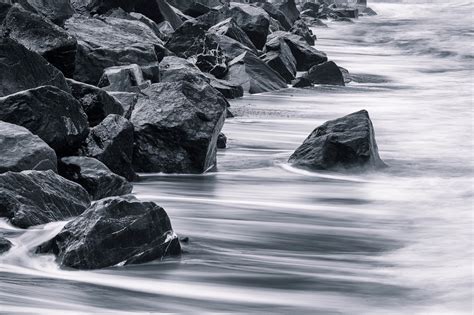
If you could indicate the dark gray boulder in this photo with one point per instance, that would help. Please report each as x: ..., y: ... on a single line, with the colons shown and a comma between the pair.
x: 290, y: 10
x: 254, y: 75
x: 176, y: 127
x: 306, y: 56
x: 195, y: 8
x: 301, y: 82
x: 116, y: 230
x: 343, y: 143
x: 300, y: 28
x: 22, y: 69
x: 111, y: 142
x: 230, y: 47
x: 21, y: 150
x: 253, y: 20
x: 326, y: 73
x: 99, y: 181
x: 222, y: 141
x: 56, y: 11
x: 227, y: 89
x: 5, y: 245
x: 279, y: 57
x: 39, y: 197
x: 127, y: 100
x: 97, y: 103
x: 231, y: 29
x: 42, y: 37
x: 50, y: 113
x: 128, y: 78
x: 276, y: 14
x: 109, y: 42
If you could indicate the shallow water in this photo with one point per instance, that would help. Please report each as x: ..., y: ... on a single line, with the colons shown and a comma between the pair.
x: 265, y: 237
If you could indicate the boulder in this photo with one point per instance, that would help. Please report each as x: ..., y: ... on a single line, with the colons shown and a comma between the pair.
x: 300, y: 28
x: 99, y: 181
x: 347, y: 13
x: 50, y: 113
x: 116, y: 230
x: 127, y: 78
x: 109, y: 42
x: 127, y: 100
x: 368, y: 11
x: 254, y: 75
x: 253, y: 20
x: 306, y: 56
x: 301, y: 82
x: 5, y: 245
x: 343, y: 143
x: 22, y: 69
x: 290, y: 10
x: 176, y: 127
x: 195, y: 8
x: 56, y: 11
x: 279, y: 57
x: 230, y: 28
x: 276, y: 14
x: 21, y: 150
x: 310, y: 6
x: 230, y: 47
x: 42, y: 37
x: 111, y: 142
x: 326, y: 73
x: 227, y: 89
x: 97, y: 103
x: 39, y: 197
x: 222, y: 141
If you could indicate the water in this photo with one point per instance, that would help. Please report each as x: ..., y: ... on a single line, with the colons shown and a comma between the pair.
x: 268, y: 238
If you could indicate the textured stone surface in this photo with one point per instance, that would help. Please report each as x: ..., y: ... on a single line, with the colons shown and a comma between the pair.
x: 326, y: 73
x: 279, y: 57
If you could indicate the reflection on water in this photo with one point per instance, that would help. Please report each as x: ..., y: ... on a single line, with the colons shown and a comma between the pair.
x: 265, y: 237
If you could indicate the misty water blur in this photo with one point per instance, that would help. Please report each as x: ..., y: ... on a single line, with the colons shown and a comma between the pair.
x: 265, y: 237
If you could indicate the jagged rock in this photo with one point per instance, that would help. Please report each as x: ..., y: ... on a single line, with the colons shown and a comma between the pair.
x: 227, y: 89
x: 254, y: 75
x: 42, y: 37
x: 290, y: 10
x: 111, y: 142
x: 230, y: 28
x: 5, y: 245
x: 127, y: 78
x: 22, y: 69
x: 21, y: 150
x: 326, y: 73
x: 343, y: 143
x: 279, y: 57
x: 55, y: 10
x: 127, y: 100
x: 230, y: 47
x: 116, y: 230
x: 39, y: 197
x: 50, y: 113
x: 253, y: 20
x: 275, y: 26
x: 300, y: 28
x: 278, y: 15
x: 346, y: 13
x: 195, y: 8
x: 109, y: 42
x: 99, y: 181
x: 151, y: 72
x: 222, y: 141
x: 305, y: 55
x: 96, y: 103
x: 179, y: 134
x: 301, y: 82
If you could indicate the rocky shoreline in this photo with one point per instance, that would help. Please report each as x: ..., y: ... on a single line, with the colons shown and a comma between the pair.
x: 94, y: 92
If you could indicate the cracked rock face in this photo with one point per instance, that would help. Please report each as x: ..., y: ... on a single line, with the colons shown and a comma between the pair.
x: 116, y: 230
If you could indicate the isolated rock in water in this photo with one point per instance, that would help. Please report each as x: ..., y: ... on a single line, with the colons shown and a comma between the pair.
x: 96, y: 103
x: 326, y: 73
x: 254, y: 75
x: 108, y: 42
x: 22, y: 69
x: 290, y: 10
x: 50, y: 113
x: 347, y: 142
x: 253, y: 20
x: 55, y: 10
x: 39, y: 197
x: 279, y: 57
x: 111, y: 142
x: 278, y: 15
x: 127, y: 100
x: 176, y: 127
x: 99, y: 181
x: 21, y: 150
x: 301, y: 82
x: 300, y: 28
x: 116, y: 230
x: 222, y: 141
x: 5, y: 245
x: 127, y: 78
x: 42, y: 37
x: 306, y: 56
x: 230, y: 28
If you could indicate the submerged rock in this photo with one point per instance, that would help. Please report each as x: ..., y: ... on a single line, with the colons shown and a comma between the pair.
x: 21, y: 150
x: 176, y: 127
x: 326, y: 73
x: 117, y: 230
x: 343, y: 143
x: 39, y: 197
x: 50, y: 113
x: 99, y: 181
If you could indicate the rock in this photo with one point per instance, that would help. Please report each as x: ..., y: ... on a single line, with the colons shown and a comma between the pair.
x: 301, y: 82
x: 42, y: 37
x: 39, y: 197
x: 230, y: 47
x: 176, y: 127
x: 151, y: 72
x: 254, y: 75
x: 230, y: 28
x: 305, y: 55
x: 22, y: 69
x: 227, y: 89
x: 97, y: 103
x: 290, y: 10
x: 109, y: 42
x: 55, y: 10
x: 127, y: 78
x: 5, y: 245
x: 343, y: 143
x: 127, y: 100
x: 99, y: 181
x: 111, y: 142
x: 368, y: 11
x: 173, y: 69
x: 310, y: 6
x: 21, y: 150
x: 279, y: 57
x: 275, y: 26
x: 222, y: 141
x: 278, y: 15
x: 300, y: 28
x: 50, y: 113
x: 253, y: 20
x: 195, y: 8
x: 347, y: 13
x: 326, y: 73
x: 117, y: 230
